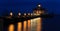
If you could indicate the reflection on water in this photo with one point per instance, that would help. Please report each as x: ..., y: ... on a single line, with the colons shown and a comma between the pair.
x: 11, y: 27
x: 19, y: 26
x: 36, y: 24
x: 39, y: 24
x: 25, y: 26
x: 30, y: 25
x: 33, y: 24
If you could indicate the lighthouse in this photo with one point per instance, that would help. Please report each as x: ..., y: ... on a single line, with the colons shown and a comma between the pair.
x: 38, y: 10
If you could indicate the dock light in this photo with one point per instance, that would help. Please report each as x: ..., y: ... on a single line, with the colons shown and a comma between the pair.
x: 28, y: 13
x: 31, y: 14
x: 19, y: 14
x: 24, y: 14
x: 11, y: 13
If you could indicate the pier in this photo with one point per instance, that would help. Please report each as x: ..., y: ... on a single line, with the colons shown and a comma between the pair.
x: 25, y: 22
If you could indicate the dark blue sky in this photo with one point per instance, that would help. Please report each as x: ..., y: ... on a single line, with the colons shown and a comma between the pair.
x: 28, y: 5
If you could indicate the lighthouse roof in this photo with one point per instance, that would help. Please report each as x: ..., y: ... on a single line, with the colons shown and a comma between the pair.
x: 39, y: 8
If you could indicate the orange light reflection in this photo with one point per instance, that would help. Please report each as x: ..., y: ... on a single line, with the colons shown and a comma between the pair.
x: 19, y: 26
x: 29, y: 25
x: 39, y: 24
x: 11, y: 27
x: 25, y: 23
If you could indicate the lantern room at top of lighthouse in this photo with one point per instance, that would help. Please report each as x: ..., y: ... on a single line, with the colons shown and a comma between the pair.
x: 39, y: 10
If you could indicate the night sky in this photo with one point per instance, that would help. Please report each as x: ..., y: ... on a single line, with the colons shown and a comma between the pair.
x: 28, y: 5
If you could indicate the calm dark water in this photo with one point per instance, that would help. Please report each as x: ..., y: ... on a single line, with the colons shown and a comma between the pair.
x: 51, y: 24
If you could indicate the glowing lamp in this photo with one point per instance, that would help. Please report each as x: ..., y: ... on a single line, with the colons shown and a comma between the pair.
x: 28, y: 13
x: 25, y: 14
x: 19, y: 14
x: 11, y: 13
x: 31, y: 14
x: 39, y: 5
